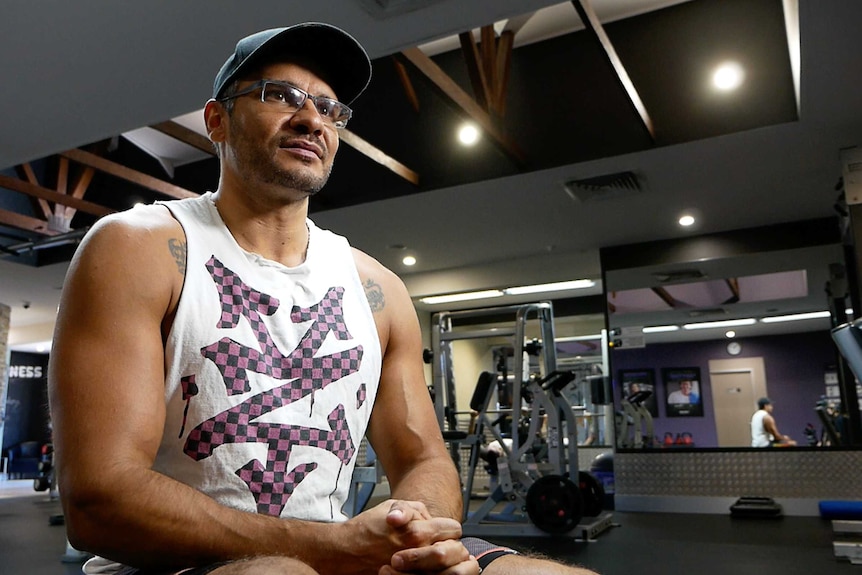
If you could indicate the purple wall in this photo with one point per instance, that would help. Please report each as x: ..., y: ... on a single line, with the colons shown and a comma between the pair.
x: 795, y: 377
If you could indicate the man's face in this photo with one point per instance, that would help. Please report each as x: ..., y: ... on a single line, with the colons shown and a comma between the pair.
x: 685, y: 387
x: 267, y: 145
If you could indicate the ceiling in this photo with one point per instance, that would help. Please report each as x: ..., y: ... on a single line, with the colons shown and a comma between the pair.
x: 495, y: 215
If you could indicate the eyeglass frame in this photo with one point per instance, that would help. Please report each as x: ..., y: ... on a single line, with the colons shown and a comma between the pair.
x: 261, y: 85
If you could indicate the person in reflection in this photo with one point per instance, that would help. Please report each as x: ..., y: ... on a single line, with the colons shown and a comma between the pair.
x: 685, y: 393
x: 764, y: 431
x: 218, y: 359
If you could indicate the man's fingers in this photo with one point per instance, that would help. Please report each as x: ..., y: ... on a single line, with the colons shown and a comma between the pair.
x: 408, y: 510
x: 438, y: 558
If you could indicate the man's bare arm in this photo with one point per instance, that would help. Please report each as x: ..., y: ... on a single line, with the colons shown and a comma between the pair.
x: 107, y: 397
x: 770, y: 426
x: 403, y: 429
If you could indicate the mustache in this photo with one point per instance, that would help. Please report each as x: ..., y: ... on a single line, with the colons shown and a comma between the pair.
x: 317, y: 141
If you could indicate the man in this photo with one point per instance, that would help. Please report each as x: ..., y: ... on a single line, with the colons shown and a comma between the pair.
x: 217, y: 361
x: 764, y: 432
x: 683, y: 394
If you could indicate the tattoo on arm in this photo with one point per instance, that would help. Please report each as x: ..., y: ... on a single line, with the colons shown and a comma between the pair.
x: 374, y: 294
x: 178, y: 250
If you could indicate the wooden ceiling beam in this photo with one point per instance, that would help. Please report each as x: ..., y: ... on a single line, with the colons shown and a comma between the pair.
x: 463, y: 101
x: 475, y: 69
x: 665, y: 297
x: 406, y: 84
x: 80, y: 188
x: 25, y: 172
x: 489, y: 67
x: 128, y: 174
x: 29, y: 189
x: 367, y: 149
x: 62, y: 188
x: 26, y: 223
x: 185, y: 135
x: 503, y: 66
x: 595, y: 28
x: 488, y: 39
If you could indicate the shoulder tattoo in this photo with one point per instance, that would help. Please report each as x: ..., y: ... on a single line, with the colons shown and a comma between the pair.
x: 374, y: 295
x: 178, y: 251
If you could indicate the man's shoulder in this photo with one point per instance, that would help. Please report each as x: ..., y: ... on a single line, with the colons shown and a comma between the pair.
x: 153, y: 217
x: 136, y: 227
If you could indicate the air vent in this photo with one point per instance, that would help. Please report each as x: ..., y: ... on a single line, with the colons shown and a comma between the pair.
x: 618, y: 185
x: 707, y: 311
x: 676, y: 276
x: 381, y: 9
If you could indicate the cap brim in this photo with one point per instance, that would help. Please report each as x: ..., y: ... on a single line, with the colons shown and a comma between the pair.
x: 336, y: 56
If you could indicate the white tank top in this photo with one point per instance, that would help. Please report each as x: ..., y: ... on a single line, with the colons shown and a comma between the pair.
x: 272, y: 372
x: 759, y: 436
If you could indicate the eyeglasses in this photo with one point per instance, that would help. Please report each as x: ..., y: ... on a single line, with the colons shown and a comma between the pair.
x: 290, y: 99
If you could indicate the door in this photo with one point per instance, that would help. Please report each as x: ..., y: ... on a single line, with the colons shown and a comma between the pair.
x: 736, y: 386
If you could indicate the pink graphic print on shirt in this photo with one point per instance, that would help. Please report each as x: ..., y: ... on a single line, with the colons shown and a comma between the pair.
x: 303, y: 371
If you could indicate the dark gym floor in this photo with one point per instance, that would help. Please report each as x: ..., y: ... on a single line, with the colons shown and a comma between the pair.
x: 640, y: 543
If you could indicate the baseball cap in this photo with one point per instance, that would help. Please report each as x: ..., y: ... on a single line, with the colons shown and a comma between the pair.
x: 340, y: 60
x: 763, y: 402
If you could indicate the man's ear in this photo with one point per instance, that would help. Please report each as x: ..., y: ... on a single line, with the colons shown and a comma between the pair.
x: 214, y: 119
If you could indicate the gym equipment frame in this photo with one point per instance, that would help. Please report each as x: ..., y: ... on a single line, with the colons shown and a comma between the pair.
x: 538, y: 478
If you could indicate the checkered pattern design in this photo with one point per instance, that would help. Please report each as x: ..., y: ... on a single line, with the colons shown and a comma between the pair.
x: 361, y: 395
x: 190, y: 388
x: 233, y: 359
x: 272, y: 489
x: 238, y: 299
x: 272, y: 484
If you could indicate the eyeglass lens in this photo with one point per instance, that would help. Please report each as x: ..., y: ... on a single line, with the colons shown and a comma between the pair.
x: 294, y: 98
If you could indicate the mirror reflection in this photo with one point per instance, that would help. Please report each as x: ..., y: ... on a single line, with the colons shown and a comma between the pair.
x: 713, y: 346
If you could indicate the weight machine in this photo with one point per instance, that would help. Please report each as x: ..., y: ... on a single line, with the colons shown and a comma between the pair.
x: 633, y: 418
x: 540, y: 490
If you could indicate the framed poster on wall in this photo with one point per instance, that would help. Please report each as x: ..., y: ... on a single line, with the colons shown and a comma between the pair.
x: 682, y: 391
x: 636, y: 380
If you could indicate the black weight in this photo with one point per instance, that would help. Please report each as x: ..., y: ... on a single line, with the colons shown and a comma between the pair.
x: 554, y: 504
x: 592, y: 493
x: 41, y: 484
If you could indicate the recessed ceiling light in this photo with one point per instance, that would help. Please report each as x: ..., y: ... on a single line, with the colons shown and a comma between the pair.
x: 730, y: 334
x: 686, y: 220
x: 468, y: 134
x: 409, y: 261
x: 728, y: 76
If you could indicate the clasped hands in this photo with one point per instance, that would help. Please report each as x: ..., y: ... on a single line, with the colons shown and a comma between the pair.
x: 399, y: 537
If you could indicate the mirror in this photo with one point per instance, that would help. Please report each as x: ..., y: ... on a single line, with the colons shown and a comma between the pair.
x: 700, y: 328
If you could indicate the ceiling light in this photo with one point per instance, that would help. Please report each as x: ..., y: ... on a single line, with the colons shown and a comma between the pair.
x: 723, y: 323
x: 556, y: 286
x: 796, y: 317
x: 686, y: 220
x: 730, y: 334
x: 466, y: 296
x: 409, y: 261
x: 468, y: 134
x: 728, y: 76
x: 660, y: 328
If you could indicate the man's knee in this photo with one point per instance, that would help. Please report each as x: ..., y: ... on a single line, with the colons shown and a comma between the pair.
x: 526, y: 565
x: 266, y: 566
